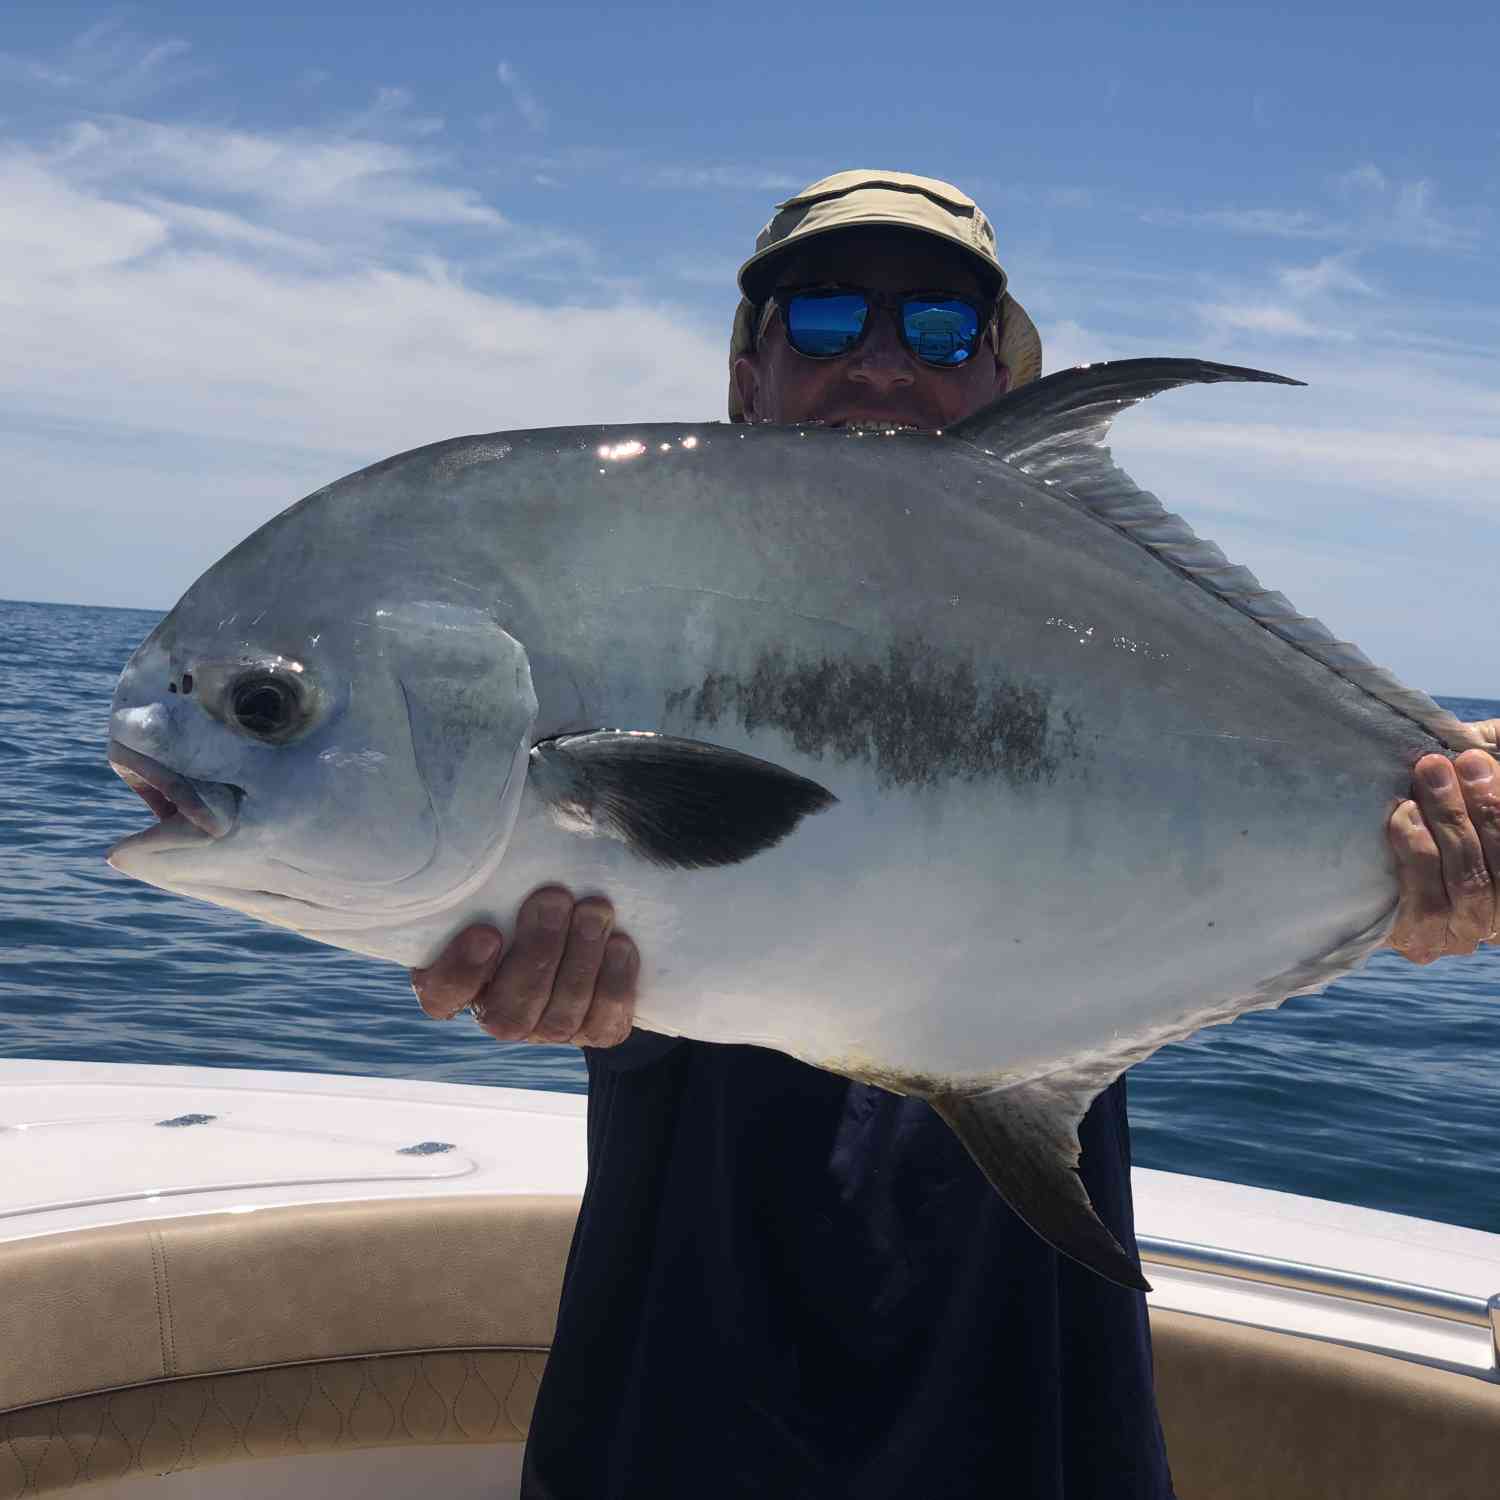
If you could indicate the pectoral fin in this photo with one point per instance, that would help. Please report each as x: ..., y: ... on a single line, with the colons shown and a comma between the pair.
x: 1025, y: 1139
x: 676, y: 802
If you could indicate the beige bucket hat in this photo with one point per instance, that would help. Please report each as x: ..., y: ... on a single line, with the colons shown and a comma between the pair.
x: 900, y: 200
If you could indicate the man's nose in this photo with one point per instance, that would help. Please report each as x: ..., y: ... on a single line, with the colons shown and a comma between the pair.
x: 882, y: 361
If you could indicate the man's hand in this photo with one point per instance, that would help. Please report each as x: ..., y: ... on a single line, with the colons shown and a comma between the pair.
x: 566, y: 976
x: 1447, y: 846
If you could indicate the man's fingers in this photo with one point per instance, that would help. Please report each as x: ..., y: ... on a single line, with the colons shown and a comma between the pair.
x: 462, y: 970
x: 573, y: 983
x: 612, y: 1013
x: 1466, y: 877
x: 515, y: 998
x: 1421, y: 927
x: 1489, y: 731
x: 1479, y: 776
x: 566, y: 976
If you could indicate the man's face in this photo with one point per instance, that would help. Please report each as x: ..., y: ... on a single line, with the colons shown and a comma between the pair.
x: 880, y: 381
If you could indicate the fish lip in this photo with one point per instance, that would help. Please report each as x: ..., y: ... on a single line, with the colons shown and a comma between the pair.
x: 210, y: 806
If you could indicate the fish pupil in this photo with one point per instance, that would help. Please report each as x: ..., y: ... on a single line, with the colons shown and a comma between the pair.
x: 263, y: 706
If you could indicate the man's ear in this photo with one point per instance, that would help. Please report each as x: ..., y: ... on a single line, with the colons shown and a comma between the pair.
x: 747, y: 385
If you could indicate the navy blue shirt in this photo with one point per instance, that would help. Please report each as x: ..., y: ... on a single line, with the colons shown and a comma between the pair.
x: 787, y: 1285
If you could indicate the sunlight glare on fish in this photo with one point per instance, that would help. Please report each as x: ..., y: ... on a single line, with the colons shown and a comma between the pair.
x: 632, y: 448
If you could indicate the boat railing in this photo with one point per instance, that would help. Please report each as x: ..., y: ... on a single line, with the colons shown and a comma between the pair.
x: 1327, y: 1281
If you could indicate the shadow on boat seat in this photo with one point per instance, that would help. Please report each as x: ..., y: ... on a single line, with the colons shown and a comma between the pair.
x: 250, y: 1348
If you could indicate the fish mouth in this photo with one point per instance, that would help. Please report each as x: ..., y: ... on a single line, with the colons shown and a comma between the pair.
x: 179, y: 802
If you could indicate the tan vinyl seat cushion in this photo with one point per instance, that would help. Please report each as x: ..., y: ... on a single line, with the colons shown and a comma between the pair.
x: 173, y: 1426
x: 103, y: 1308
x: 1255, y: 1415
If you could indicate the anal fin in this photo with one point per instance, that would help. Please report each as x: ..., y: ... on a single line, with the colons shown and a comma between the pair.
x: 1025, y: 1139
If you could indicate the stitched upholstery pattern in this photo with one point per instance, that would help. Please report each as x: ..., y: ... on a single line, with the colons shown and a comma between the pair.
x: 452, y: 1396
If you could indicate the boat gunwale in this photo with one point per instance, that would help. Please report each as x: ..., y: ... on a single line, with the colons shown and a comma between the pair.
x: 1327, y: 1281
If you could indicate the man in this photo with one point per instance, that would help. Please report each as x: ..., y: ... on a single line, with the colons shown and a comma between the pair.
x: 784, y: 1283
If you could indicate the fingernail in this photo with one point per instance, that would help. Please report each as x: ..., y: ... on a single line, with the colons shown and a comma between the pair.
x: 1437, y: 776
x: 590, y: 922
x: 1477, y: 772
x: 617, y: 957
x: 480, y: 947
x: 552, y: 914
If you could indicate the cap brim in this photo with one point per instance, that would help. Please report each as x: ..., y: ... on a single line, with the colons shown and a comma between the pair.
x: 757, y: 275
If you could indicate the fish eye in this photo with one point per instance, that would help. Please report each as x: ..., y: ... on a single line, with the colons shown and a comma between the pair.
x: 266, y: 705
x: 268, y: 697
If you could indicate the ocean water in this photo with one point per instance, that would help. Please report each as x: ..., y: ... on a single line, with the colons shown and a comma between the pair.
x: 1383, y: 1091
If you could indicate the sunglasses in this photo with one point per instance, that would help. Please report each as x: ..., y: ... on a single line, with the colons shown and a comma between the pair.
x: 942, y: 329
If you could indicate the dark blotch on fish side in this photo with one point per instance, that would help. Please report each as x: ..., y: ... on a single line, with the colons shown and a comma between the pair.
x: 917, y: 718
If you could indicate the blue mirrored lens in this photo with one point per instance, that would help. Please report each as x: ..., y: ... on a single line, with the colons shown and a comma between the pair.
x: 825, y: 324
x: 941, y: 331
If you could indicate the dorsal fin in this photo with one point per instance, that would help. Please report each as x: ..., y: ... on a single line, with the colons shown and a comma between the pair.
x: 1054, y: 430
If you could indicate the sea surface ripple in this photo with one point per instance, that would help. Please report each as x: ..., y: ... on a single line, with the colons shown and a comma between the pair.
x: 1383, y: 1091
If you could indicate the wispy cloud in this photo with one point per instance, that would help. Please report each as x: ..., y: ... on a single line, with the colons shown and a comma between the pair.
x: 1331, y: 275
x: 528, y: 106
x: 1267, y: 318
x: 1410, y: 462
x: 1304, y: 302
x: 1283, y: 223
x: 1372, y: 209
x: 727, y: 178
x: 109, y: 64
x: 373, y: 181
x: 391, y: 111
x: 1366, y: 177
x: 617, y: 164
x: 52, y: 230
x: 1403, y: 213
x: 193, y: 220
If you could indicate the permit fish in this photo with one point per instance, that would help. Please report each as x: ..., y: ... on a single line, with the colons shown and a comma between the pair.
x: 949, y: 762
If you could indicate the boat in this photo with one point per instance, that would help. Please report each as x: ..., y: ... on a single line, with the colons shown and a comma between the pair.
x: 236, y: 1282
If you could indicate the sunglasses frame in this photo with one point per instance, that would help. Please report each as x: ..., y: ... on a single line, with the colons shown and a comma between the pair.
x: 988, y: 310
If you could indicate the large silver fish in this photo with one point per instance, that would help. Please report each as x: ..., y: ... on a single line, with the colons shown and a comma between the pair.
x: 952, y: 763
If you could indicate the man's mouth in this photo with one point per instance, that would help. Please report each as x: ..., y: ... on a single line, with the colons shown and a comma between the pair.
x: 868, y: 424
x: 211, y: 806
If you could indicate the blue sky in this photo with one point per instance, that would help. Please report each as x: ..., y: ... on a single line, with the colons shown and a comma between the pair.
x: 240, y: 255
